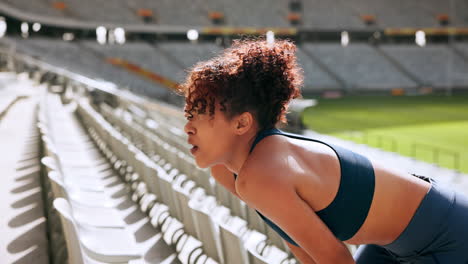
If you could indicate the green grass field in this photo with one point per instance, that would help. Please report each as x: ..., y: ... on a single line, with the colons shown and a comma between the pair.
x: 429, y: 128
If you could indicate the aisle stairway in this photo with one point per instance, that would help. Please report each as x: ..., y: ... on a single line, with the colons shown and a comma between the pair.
x: 23, y: 230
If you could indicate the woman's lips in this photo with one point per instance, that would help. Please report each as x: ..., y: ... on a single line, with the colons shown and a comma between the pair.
x: 193, y: 150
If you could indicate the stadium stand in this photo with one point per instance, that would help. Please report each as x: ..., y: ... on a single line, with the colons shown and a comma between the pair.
x: 36, y: 7
x: 401, y: 13
x: 360, y: 66
x: 187, y: 54
x: 142, y: 54
x: 272, y: 13
x: 316, y: 75
x: 461, y: 49
x: 320, y: 14
x: 80, y: 59
x: 436, y: 64
x: 117, y: 12
x: 180, y: 13
x: 327, y: 66
x: 86, y: 200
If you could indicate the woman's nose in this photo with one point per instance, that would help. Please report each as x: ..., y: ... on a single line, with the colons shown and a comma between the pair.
x: 189, y: 129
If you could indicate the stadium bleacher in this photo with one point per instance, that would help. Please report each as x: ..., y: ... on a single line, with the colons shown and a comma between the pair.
x: 437, y: 65
x: 316, y: 75
x: 188, y: 54
x: 95, y: 210
x: 262, y: 13
x: 184, y: 12
x: 111, y: 12
x: 360, y: 66
x: 357, y: 66
x: 402, y: 13
x: 36, y: 7
x: 315, y: 13
x: 142, y: 54
x: 83, y: 60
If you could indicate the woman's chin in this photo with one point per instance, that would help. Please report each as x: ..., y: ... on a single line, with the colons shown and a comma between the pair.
x: 201, y: 164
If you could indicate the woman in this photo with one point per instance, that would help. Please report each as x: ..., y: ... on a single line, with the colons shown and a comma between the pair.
x: 314, y: 194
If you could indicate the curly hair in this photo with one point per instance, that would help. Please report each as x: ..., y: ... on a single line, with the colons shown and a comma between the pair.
x: 251, y: 75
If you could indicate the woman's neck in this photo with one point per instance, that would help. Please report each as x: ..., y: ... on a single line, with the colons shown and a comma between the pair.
x: 241, y: 152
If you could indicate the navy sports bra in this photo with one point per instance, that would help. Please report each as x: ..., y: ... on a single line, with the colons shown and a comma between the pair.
x: 348, y: 211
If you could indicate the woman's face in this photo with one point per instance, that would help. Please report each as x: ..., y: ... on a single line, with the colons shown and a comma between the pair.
x: 212, y: 137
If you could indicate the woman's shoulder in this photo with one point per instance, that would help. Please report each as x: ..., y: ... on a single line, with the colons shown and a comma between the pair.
x: 269, y: 163
x: 293, y: 164
x: 260, y: 177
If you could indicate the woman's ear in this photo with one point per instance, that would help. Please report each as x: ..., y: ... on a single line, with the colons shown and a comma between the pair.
x: 243, y: 123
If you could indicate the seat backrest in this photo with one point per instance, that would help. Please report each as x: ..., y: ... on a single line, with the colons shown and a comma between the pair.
x: 49, y: 162
x: 183, y: 196
x: 207, y: 231
x: 168, y: 196
x: 231, y: 239
x: 75, y: 255
x: 57, y: 184
x: 151, y: 174
x: 271, y: 255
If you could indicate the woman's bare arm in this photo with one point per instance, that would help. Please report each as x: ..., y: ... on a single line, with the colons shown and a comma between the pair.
x: 225, y: 177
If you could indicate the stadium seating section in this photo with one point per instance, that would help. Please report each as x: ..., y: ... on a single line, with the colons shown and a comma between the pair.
x: 356, y: 67
x: 263, y: 13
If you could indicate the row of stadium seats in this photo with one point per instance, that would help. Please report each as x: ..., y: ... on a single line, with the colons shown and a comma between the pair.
x: 400, y: 13
x: 92, y: 201
x: 78, y: 59
x: 326, y: 66
x: 266, y: 13
x: 434, y: 65
x: 359, y: 66
x: 90, y: 220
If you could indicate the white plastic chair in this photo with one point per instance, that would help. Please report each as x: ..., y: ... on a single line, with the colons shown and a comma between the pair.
x: 104, y: 245
x: 86, y: 198
x: 84, y: 213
